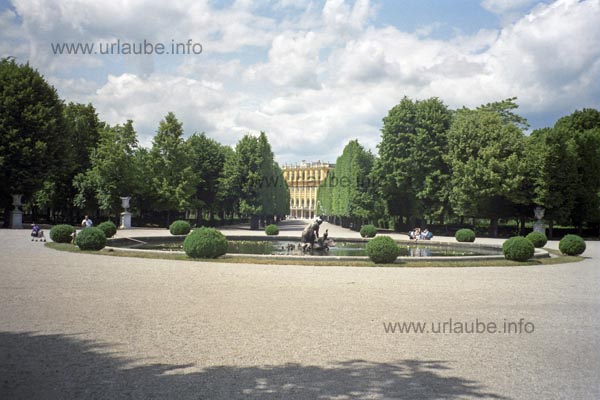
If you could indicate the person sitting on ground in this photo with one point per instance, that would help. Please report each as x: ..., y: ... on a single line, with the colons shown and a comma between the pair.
x: 416, y: 234
x: 427, y: 234
x: 37, y: 233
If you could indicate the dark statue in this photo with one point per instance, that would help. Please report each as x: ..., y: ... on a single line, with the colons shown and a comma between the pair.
x: 310, y: 237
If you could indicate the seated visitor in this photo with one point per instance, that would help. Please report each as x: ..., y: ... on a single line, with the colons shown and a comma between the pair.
x: 426, y: 234
x: 37, y: 233
x: 417, y: 233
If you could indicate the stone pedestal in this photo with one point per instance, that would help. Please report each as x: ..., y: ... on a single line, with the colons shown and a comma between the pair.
x: 539, y: 225
x: 16, y: 215
x: 125, y: 215
x: 125, y: 220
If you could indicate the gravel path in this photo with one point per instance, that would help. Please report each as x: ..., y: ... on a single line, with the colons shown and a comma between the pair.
x: 84, y: 326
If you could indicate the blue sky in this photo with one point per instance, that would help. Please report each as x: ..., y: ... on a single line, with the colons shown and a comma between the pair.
x: 311, y: 74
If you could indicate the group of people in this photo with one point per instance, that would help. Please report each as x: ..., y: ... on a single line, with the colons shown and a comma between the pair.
x: 38, y: 234
x: 417, y: 234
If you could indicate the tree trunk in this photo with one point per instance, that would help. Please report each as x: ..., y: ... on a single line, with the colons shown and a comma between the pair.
x: 254, y: 222
x: 494, y: 226
x: 551, y: 229
x: 522, y: 228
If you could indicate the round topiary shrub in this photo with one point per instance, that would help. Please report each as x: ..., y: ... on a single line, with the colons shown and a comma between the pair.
x: 180, y: 227
x: 382, y: 250
x: 272, y: 230
x: 205, y: 243
x: 62, y: 233
x: 518, y: 248
x: 368, y: 231
x: 109, y: 228
x: 571, y: 245
x: 91, y: 239
x: 537, y: 238
x: 465, y: 235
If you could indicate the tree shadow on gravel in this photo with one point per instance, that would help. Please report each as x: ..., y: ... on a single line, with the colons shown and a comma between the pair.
x: 63, y: 367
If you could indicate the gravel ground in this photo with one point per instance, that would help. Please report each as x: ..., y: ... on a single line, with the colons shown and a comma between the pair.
x: 85, y: 326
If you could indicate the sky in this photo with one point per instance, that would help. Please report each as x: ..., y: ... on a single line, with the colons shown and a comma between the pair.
x: 312, y: 75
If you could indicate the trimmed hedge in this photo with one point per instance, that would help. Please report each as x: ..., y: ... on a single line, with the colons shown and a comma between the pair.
x: 382, y: 250
x: 368, y: 231
x: 91, y: 239
x: 465, y: 235
x: 518, y: 248
x: 62, y: 233
x: 109, y: 228
x: 205, y: 243
x: 180, y: 227
x: 272, y: 230
x: 537, y: 238
x: 571, y: 245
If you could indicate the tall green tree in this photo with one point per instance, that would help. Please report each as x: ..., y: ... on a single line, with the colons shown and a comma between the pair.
x: 173, y: 180
x: 82, y: 133
x: 583, y: 127
x: 112, y: 173
x: 348, y: 191
x: 412, y: 168
x: 484, y: 153
x: 228, y: 190
x: 552, y: 161
x: 255, y: 178
x: 207, y: 160
x: 31, y: 131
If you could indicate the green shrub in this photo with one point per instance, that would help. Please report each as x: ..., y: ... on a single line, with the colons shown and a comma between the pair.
x: 109, y: 228
x: 272, y: 230
x: 62, y: 233
x: 180, y: 227
x: 465, y: 235
x: 537, y: 238
x: 91, y: 239
x: 368, y: 231
x: 518, y: 248
x: 205, y: 243
x: 382, y: 250
x: 571, y: 245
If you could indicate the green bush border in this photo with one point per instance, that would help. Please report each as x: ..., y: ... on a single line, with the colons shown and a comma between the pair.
x: 272, y: 230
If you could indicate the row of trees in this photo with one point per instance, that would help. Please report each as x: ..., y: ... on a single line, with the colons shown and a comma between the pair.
x: 67, y: 162
x: 435, y: 163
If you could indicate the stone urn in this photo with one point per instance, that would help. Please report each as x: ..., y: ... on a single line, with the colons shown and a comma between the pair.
x: 125, y: 215
x: 125, y: 202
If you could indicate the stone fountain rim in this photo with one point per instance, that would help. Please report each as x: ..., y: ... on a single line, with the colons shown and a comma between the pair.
x: 539, y: 253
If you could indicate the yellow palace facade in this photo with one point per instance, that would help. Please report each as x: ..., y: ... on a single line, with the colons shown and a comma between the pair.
x: 304, y: 179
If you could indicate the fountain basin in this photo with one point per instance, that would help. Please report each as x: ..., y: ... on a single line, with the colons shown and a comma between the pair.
x: 276, y: 247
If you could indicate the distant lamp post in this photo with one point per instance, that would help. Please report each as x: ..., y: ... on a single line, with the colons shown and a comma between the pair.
x: 125, y: 215
x: 16, y: 215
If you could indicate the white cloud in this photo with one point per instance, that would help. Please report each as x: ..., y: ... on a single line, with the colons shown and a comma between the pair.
x: 508, y: 10
x: 314, y: 78
x: 293, y: 61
